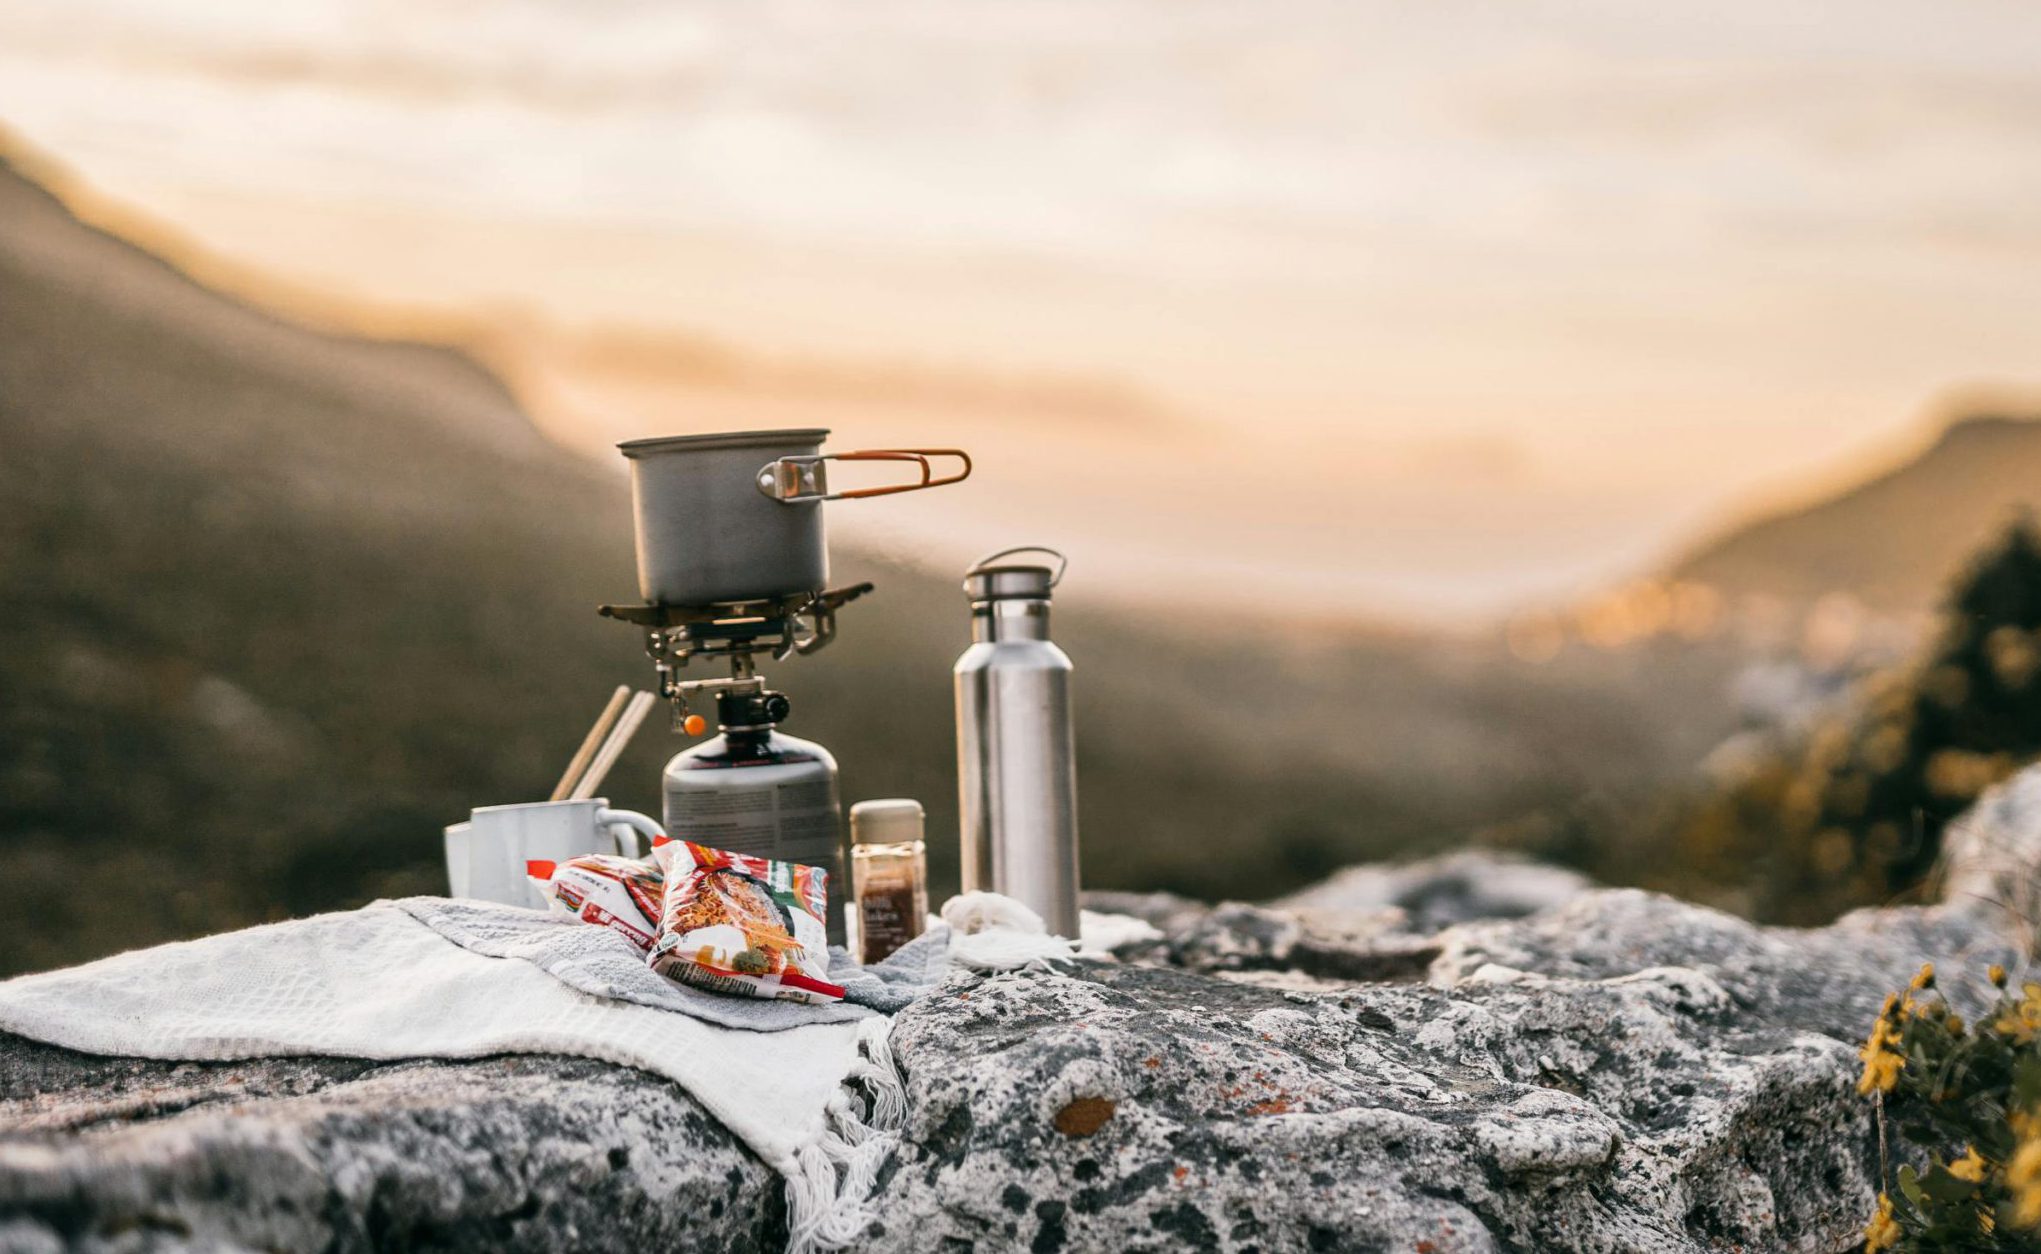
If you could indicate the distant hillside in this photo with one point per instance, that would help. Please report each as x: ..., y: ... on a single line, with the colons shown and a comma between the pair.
x: 275, y: 602
x: 1894, y: 540
x: 279, y: 604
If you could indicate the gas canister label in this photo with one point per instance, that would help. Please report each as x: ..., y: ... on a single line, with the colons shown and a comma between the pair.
x: 791, y: 822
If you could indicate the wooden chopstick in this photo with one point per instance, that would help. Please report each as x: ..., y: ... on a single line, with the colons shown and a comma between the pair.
x: 619, y: 736
x: 586, y: 753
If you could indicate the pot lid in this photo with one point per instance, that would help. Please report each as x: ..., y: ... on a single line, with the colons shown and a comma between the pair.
x: 802, y: 436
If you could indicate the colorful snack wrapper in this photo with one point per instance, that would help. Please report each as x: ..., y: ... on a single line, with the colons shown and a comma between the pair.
x: 621, y: 894
x: 737, y: 924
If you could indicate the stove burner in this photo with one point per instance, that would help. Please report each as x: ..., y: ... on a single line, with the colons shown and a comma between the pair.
x: 785, y: 627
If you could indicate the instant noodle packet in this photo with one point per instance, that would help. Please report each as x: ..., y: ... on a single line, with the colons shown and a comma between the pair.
x: 733, y: 923
x: 621, y: 894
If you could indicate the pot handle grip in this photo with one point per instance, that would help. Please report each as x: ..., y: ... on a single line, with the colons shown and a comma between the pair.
x: 793, y: 480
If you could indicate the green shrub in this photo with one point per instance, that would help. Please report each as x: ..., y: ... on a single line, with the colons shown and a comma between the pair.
x: 1970, y: 1097
x: 1852, y: 812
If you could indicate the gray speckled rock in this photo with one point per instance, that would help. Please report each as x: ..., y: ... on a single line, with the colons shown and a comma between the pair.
x: 1619, y: 1071
x: 1626, y: 1073
x: 515, y: 1153
x: 1374, y: 922
x: 1992, y: 855
x: 1452, y: 888
x: 1234, y: 936
x: 1125, y: 1107
x: 1830, y: 979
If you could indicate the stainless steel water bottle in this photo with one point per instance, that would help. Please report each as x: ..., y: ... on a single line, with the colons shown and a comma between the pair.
x: 1016, y: 756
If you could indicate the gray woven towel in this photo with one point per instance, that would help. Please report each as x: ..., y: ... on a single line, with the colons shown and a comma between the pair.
x: 599, y: 962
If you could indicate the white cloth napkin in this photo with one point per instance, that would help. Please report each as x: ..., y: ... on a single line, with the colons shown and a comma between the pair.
x: 378, y: 983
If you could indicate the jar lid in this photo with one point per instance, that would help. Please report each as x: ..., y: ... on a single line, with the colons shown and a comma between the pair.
x: 886, y: 821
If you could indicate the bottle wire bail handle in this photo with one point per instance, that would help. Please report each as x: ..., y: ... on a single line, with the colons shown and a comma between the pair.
x: 1062, y: 562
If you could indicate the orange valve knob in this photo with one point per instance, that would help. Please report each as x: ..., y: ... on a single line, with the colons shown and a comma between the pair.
x: 694, y: 724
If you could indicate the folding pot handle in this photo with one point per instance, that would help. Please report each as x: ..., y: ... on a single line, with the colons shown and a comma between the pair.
x: 791, y: 480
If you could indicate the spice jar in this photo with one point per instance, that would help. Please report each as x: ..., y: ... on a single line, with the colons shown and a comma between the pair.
x: 888, y: 875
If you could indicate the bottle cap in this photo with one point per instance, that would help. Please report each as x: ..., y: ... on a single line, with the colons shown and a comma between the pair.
x: 989, y: 579
x: 887, y: 821
x: 1008, y: 583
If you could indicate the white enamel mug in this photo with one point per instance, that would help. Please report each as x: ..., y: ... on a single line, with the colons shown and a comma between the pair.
x: 485, y: 856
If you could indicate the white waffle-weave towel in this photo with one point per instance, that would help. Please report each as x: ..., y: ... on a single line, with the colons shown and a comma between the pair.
x: 823, y: 1102
x: 378, y: 983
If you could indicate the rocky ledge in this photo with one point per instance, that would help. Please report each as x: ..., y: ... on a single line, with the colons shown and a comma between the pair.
x: 514, y: 1153
x: 1466, y: 1055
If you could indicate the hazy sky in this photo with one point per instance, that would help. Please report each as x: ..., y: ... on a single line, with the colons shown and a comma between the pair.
x: 1458, y: 303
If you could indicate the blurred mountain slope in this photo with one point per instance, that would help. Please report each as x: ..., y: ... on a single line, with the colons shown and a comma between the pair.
x: 279, y: 604
x: 276, y: 601
x: 1892, y: 540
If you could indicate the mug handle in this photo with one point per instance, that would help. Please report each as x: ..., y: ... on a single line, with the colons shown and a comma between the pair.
x: 792, y: 480
x: 644, y: 825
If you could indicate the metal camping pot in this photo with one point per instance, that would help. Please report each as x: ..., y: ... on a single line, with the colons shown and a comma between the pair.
x: 737, y: 516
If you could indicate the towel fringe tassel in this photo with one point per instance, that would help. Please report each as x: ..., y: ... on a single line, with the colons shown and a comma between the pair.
x: 829, y: 1193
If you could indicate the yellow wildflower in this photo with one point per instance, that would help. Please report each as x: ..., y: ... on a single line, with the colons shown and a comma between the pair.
x: 1883, y: 1231
x: 2020, y: 1022
x: 1969, y: 1167
x: 1881, y: 1061
x: 1926, y: 978
x: 2023, y: 1178
x: 1998, y: 975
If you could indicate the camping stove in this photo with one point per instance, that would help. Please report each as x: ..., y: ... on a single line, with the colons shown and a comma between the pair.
x: 784, y: 627
x: 752, y: 788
